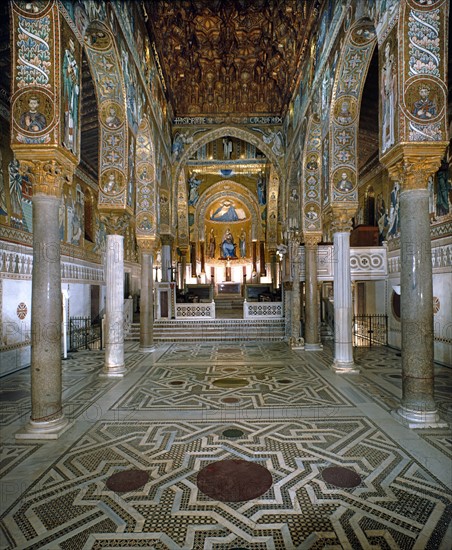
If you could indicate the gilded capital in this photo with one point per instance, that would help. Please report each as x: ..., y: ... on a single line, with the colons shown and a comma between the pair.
x: 47, y: 176
x: 167, y: 239
x: 311, y: 240
x: 116, y: 223
x: 147, y: 245
x: 342, y: 218
x: 411, y: 164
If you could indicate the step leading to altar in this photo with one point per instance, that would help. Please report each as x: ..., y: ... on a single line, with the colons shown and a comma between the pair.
x: 213, y: 330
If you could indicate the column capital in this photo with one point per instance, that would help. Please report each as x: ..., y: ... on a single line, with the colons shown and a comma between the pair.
x: 47, y: 173
x: 167, y: 239
x: 147, y: 245
x: 115, y: 222
x: 342, y: 217
x: 411, y: 164
x: 311, y: 240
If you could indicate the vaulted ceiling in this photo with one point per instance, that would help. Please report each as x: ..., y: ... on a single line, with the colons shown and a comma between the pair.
x: 223, y: 57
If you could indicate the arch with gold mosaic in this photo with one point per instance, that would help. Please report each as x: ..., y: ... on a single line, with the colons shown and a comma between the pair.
x: 348, y: 86
x: 239, y: 192
x: 276, y: 172
x: 311, y: 170
x: 146, y: 195
x: 109, y: 87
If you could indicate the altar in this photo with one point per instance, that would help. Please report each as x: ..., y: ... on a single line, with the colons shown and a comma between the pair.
x: 228, y: 287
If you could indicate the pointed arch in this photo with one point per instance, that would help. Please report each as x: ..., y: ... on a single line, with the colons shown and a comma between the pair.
x: 344, y: 111
x: 232, y: 131
x: 103, y: 58
x: 146, y: 193
x: 215, y: 192
x: 276, y: 176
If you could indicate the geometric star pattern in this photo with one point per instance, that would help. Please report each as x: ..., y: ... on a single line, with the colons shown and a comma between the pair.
x: 397, y: 505
x: 168, y: 418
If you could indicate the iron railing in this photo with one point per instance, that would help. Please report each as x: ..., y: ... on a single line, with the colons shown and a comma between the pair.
x: 370, y: 330
x: 83, y: 334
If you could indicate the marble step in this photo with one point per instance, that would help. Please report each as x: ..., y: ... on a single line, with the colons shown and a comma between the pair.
x: 214, y: 330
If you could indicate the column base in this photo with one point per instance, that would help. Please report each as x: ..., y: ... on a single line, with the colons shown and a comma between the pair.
x: 44, y: 430
x: 313, y: 347
x: 118, y: 371
x: 418, y: 419
x: 146, y: 349
x: 296, y: 343
x: 341, y: 367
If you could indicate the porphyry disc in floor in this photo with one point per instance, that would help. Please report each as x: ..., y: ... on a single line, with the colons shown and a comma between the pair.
x: 232, y: 433
x: 127, y: 480
x: 234, y: 480
x: 341, y: 477
x: 230, y: 383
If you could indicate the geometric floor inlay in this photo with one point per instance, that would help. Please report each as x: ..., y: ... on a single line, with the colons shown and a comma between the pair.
x: 398, y: 504
x: 293, y: 384
x: 293, y: 419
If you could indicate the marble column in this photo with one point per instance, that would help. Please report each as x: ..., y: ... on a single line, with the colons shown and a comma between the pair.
x: 296, y: 301
x: 202, y: 254
x: 114, y: 307
x: 343, y: 305
x: 311, y: 335
x: 47, y: 420
x: 183, y: 267
x: 418, y: 408
x: 193, y: 259
x: 254, y: 257
x: 167, y: 241
x: 263, y: 267
x: 273, y: 268
x: 146, y: 296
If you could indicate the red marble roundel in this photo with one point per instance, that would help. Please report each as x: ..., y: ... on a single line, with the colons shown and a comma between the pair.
x: 127, y: 480
x: 234, y: 480
x: 341, y: 477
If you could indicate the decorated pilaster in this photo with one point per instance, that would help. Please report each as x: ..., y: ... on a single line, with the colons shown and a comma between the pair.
x: 147, y: 247
x: 411, y: 165
x: 312, y: 335
x: 343, y: 305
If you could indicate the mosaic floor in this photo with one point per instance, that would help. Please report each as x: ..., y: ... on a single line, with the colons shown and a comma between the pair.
x: 183, y: 408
